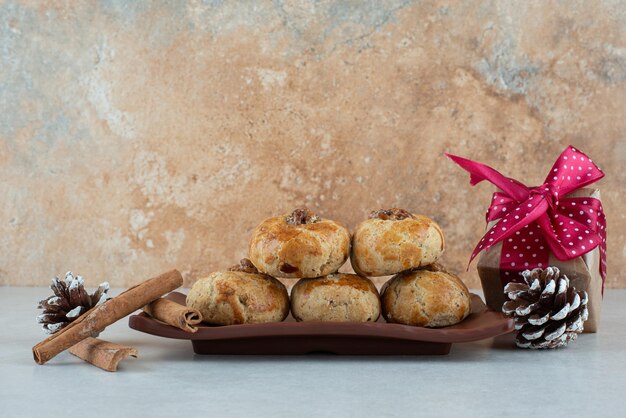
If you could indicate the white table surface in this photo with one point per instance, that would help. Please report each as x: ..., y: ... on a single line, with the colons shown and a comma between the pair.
x: 486, y: 378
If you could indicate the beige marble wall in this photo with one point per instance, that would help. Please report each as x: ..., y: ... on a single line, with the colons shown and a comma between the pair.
x: 140, y: 136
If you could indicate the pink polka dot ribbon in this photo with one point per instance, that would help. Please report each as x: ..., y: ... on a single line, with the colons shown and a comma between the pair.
x: 533, y: 222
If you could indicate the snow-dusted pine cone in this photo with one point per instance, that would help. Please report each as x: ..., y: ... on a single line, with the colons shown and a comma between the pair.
x: 548, y: 312
x: 70, y: 300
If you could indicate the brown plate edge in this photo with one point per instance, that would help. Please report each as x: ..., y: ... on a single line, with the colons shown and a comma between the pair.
x: 477, y: 326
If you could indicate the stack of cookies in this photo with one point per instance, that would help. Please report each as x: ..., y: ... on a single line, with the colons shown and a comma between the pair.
x: 406, y: 245
x: 304, y: 246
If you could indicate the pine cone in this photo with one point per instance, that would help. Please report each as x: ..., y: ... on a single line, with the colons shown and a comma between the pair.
x: 548, y: 312
x: 70, y: 300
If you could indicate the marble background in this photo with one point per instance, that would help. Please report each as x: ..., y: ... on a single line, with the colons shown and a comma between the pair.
x: 140, y: 136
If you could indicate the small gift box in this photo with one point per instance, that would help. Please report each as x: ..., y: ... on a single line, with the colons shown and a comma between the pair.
x: 559, y: 223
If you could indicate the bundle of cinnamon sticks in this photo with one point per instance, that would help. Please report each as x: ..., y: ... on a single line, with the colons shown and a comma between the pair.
x: 146, y: 295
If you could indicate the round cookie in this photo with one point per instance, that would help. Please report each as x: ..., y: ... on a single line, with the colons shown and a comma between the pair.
x: 298, y: 245
x: 394, y: 240
x: 241, y: 295
x: 426, y: 298
x: 335, y: 298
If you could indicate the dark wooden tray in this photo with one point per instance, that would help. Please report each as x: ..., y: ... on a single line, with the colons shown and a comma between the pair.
x: 350, y: 338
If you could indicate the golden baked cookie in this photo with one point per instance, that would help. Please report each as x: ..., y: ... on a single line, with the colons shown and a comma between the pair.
x: 425, y: 298
x: 298, y: 245
x: 394, y: 240
x: 337, y: 297
x: 241, y: 295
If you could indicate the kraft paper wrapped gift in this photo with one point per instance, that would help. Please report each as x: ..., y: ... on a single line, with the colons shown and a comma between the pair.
x: 559, y: 223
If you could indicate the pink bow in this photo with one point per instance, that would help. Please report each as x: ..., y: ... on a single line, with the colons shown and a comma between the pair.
x: 534, y: 221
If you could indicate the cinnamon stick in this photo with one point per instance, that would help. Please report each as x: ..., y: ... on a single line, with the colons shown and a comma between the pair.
x: 102, y: 354
x: 98, y: 318
x: 174, y: 314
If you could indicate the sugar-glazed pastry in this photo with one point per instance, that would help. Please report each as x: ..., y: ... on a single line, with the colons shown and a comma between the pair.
x: 337, y: 297
x: 394, y: 240
x: 241, y: 295
x: 300, y: 244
